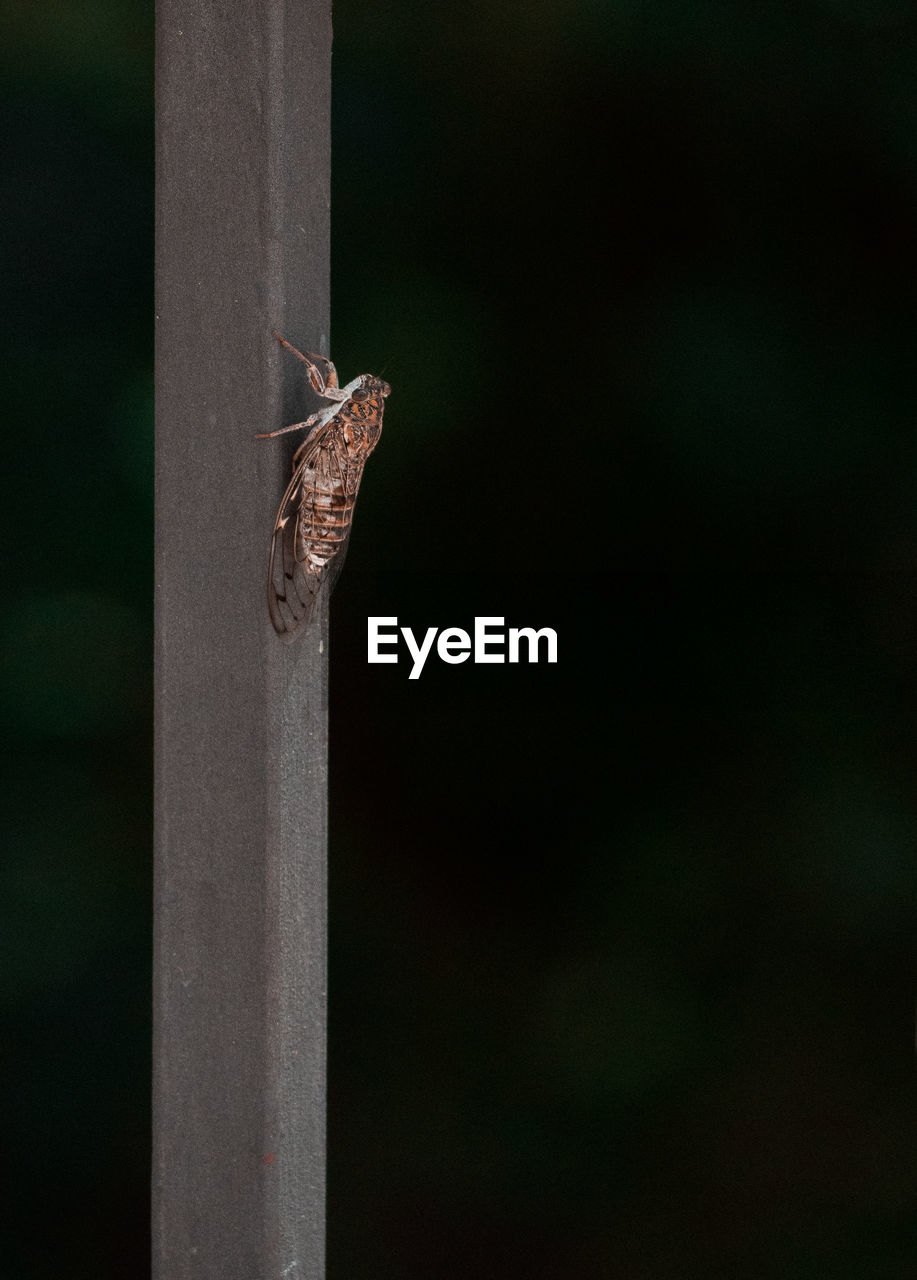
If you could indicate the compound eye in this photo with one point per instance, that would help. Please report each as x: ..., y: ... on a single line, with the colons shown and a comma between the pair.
x: 360, y: 394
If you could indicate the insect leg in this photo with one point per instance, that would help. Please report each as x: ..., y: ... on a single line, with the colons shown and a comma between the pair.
x: 295, y: 426
x: 305, y: 444
x: 322, y: 383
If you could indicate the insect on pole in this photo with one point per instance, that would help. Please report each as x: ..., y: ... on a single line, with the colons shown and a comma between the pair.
x: 313, y: 523
x: 242, y: 222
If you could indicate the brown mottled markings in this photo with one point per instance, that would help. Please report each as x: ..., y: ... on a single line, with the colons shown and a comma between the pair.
x: 307, y: 553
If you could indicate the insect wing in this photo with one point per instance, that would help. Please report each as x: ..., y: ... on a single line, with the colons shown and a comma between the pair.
x: 292, y: 593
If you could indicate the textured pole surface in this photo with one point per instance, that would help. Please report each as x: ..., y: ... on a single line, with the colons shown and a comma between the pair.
x: 243, y: 161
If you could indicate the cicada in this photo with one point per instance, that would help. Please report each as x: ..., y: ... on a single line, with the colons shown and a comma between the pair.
x: 313, y: 522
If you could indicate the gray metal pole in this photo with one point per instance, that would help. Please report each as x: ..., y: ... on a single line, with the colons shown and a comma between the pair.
x: 243, y: 161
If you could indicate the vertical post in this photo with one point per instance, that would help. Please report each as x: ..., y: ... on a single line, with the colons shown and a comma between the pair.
x: 243, y: 161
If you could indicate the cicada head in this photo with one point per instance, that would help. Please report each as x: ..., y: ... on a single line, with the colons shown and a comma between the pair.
x: 369, y: 387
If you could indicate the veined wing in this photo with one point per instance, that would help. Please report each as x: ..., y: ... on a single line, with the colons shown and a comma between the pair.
x: 292, y: 591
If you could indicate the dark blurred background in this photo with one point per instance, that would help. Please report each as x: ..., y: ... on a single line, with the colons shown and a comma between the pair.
x: 622, y: 950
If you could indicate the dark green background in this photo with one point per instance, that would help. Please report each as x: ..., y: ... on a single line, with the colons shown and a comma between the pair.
x: 622, y: 950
